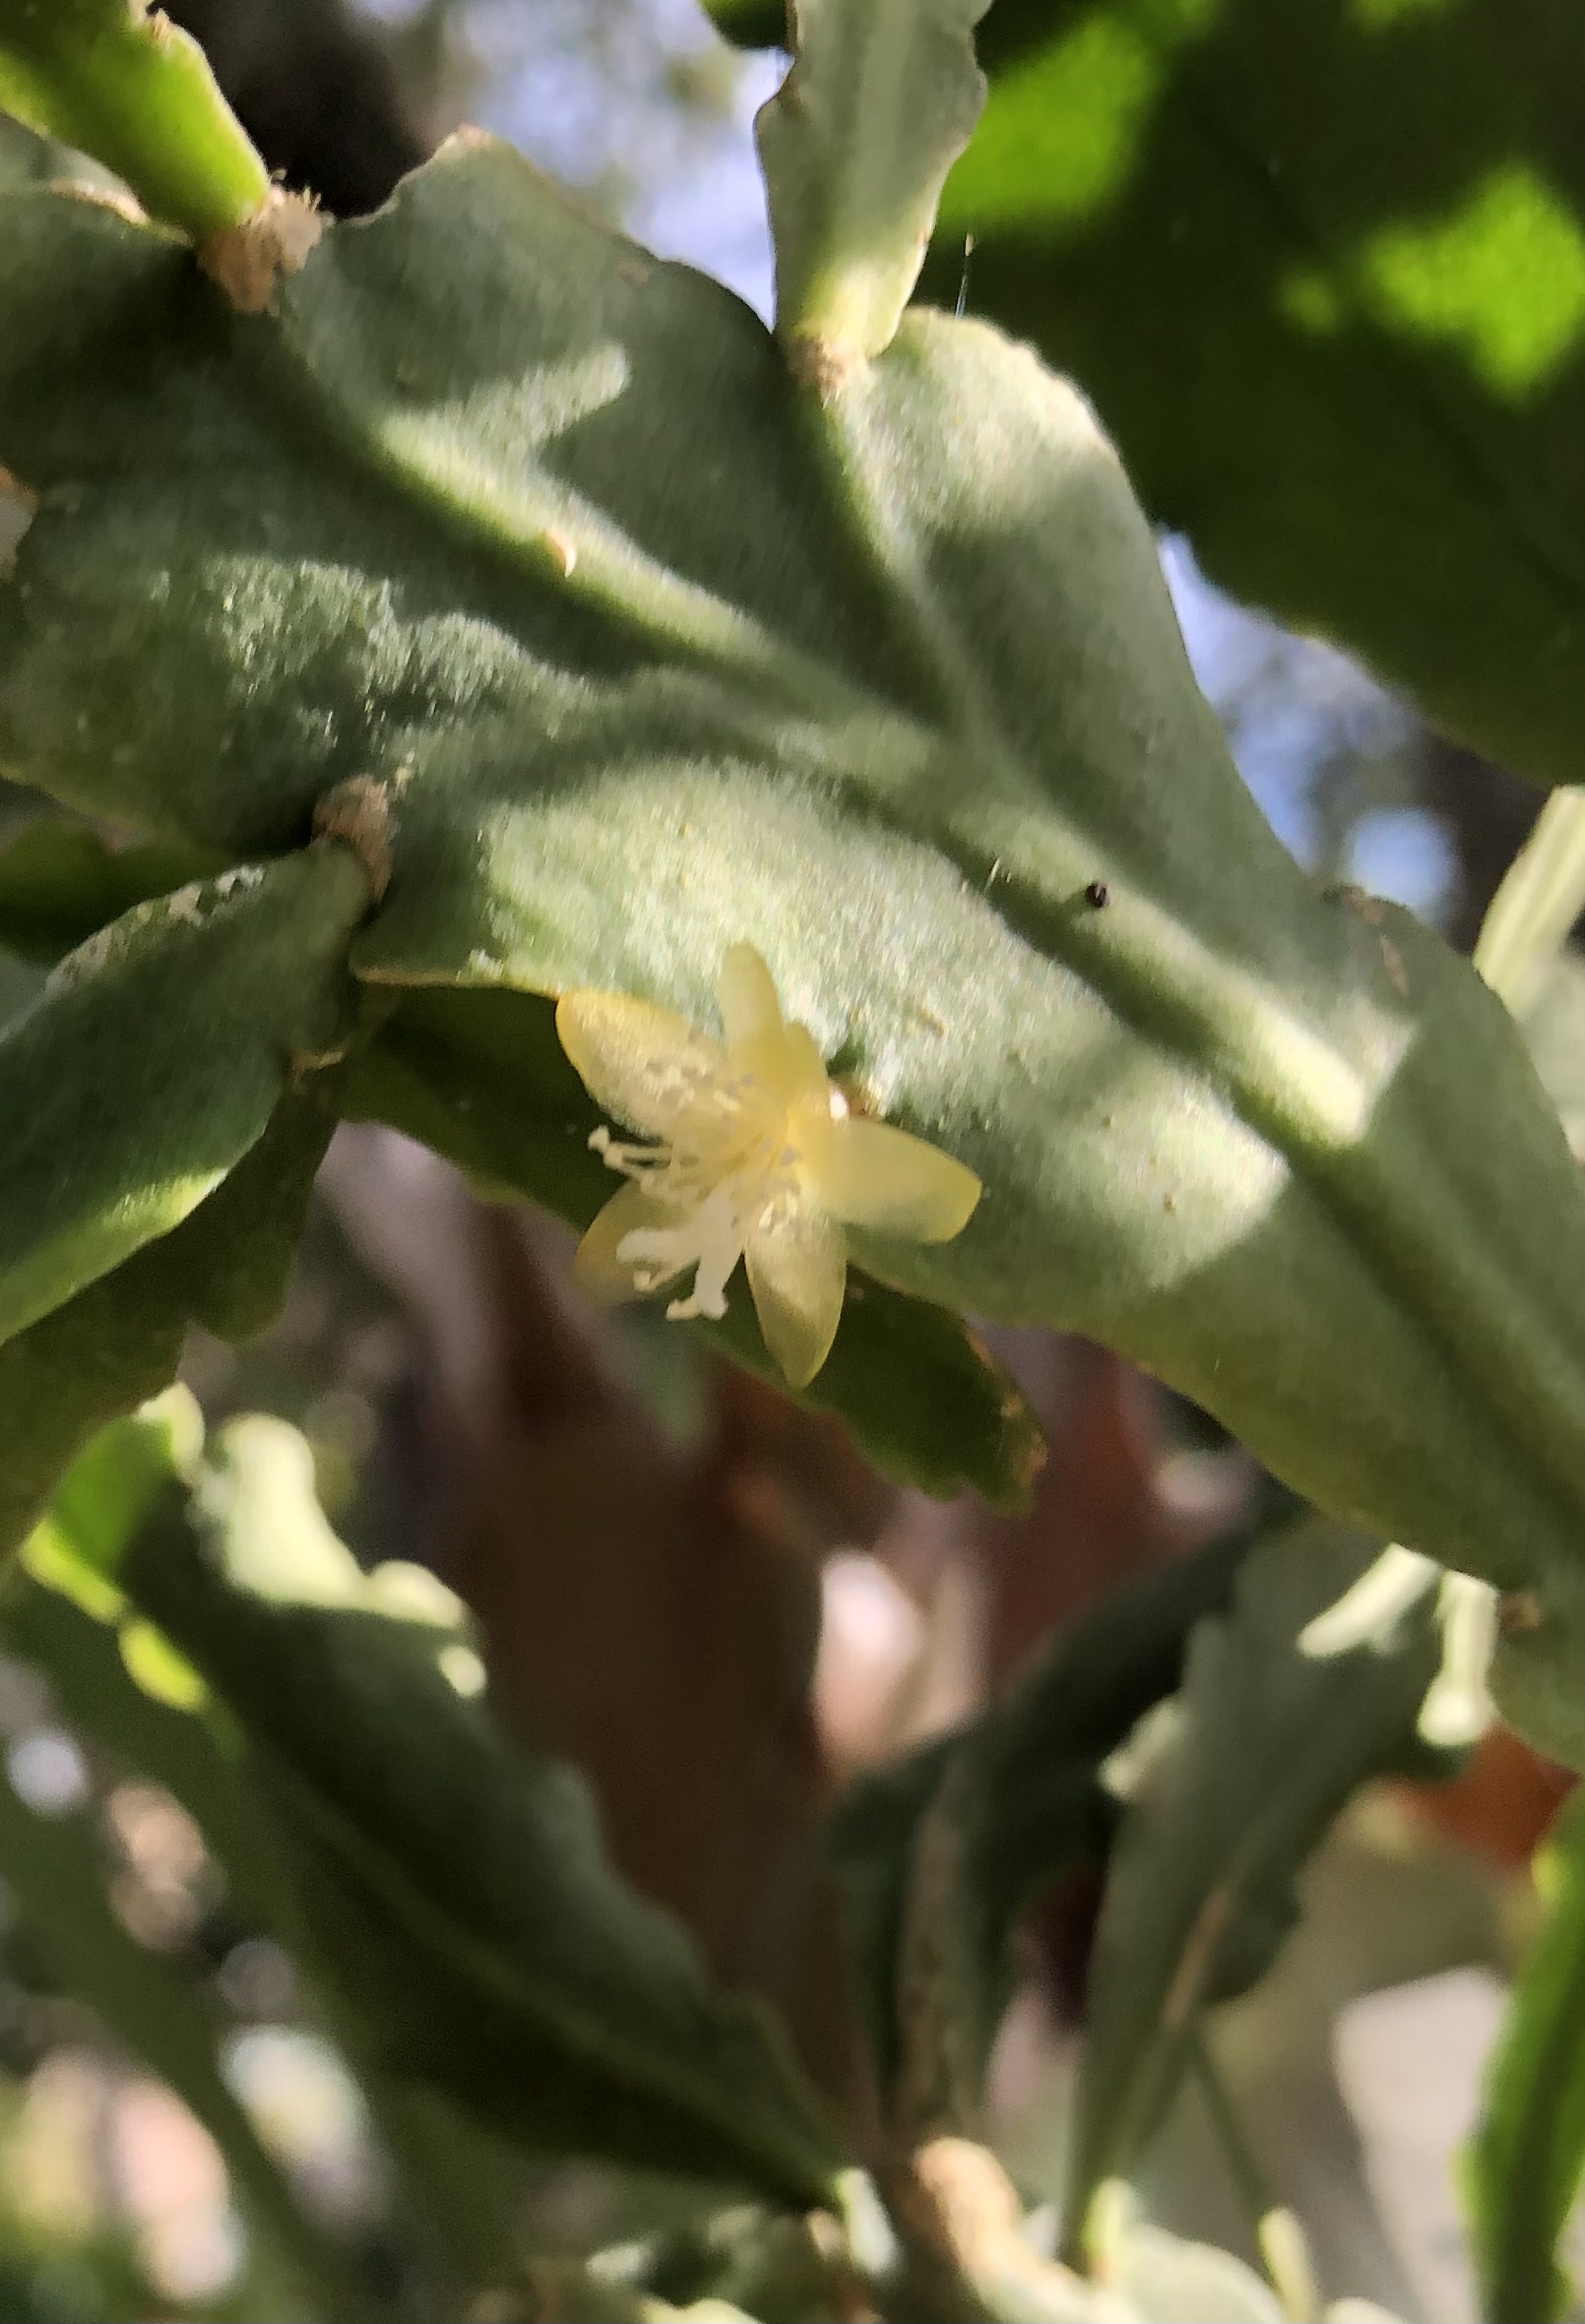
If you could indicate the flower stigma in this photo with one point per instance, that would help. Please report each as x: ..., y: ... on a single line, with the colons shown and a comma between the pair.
x: 752, y: 1154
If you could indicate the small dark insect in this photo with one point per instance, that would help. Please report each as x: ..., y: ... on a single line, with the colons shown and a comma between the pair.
x: 1098, y: 894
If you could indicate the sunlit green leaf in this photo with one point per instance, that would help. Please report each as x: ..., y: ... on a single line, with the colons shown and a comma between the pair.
x: 120, y: 81
x: 115, y: 1480
x: 1322, y: 268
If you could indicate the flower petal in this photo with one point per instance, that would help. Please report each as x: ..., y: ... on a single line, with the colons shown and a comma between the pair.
x: 784, y: 1058
x: 640, y: 1063
x: 596, y: 1270
x: 746, y: 994
x: 798, y: 1272
x: 869, y: 1174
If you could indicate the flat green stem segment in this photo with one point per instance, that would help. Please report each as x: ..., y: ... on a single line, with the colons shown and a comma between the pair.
x: 485, y: 1940
x: 1322, y: 267
x: 1525, y: 2163
x: 941, y: 1853
x: 1269, y: 1741
x: 61, y: 882
x: 892, y: 690
x: 881, y: 99
x: 153, y: 1058
x: 119, y: 1340
x: 124, y: 85
x: 62, y: 1610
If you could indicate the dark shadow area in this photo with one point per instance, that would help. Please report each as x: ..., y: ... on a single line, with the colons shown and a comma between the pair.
x: 313, y: 86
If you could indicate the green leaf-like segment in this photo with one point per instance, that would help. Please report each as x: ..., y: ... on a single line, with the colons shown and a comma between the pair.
x: 119, y: 81
x: 480, y: 1077
x: 1270, y: 1743
x: 61, y: 1608
x: 635, y: 652
x: 940, y: 1854
x: 153, y: 1058
x: 1524, y: 2165
x: 1322, y: 267
x: 119, y: 1340
x: 880, y: 103
x: 458, y: 1883
x: 60, y: 883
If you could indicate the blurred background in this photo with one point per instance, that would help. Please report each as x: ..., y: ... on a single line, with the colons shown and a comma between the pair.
x: 695, y: 1590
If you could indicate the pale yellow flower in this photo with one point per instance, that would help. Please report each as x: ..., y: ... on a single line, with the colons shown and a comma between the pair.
x: 756, y: 1156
